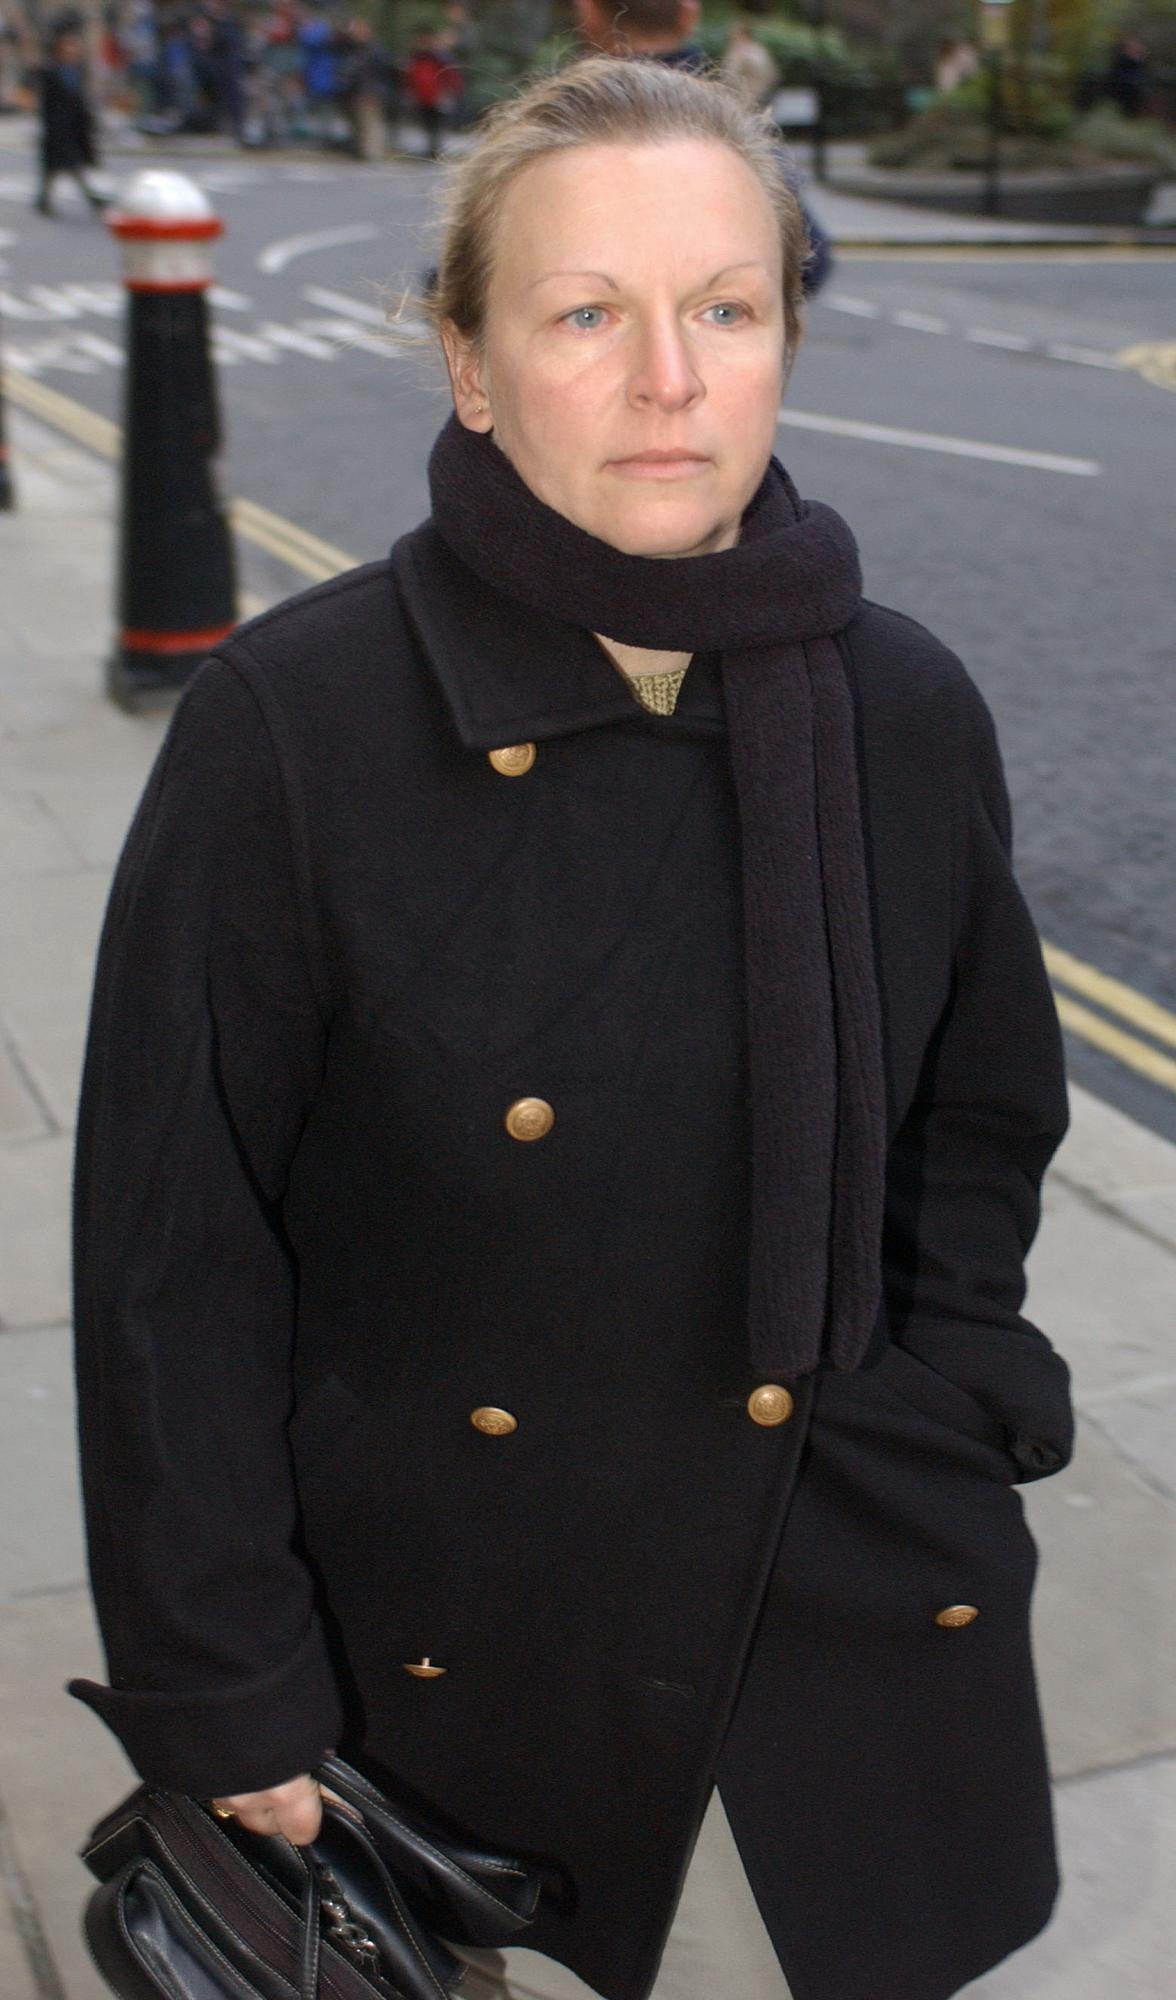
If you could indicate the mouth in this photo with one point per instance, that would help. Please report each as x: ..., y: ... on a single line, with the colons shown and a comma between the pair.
x: 660, y: 465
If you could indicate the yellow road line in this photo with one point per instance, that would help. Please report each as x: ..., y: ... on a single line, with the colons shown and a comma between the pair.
x: 1155, y: 360
x: 1114, y: 1042
x: 311, y: 557
x: 304, y: 552
x: 62, y: 412
x: 291, y: 544
x: 1110, y: 994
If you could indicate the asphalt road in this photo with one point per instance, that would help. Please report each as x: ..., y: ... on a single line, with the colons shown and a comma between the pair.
x: 1048, y: 564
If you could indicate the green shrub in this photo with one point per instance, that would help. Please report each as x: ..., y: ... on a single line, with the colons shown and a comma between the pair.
x: 1105, y: 131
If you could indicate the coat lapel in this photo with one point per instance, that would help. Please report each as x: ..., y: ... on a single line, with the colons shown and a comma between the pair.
x: 510, y: 674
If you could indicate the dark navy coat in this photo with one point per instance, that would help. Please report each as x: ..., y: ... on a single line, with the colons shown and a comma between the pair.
x: 342, y: 944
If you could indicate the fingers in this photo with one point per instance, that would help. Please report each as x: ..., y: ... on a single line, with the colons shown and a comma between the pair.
x: 293, y: 1810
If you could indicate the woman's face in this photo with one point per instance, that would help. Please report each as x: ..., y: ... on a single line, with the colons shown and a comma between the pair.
x: 635, y: 307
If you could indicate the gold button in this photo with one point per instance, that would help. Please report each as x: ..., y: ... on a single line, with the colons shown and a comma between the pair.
x: 495, y: 1423
x: 424, y: 1669
x: 513, y: 760
x: 529, y: 1118
x: 955, y: 1615
x: 769, y: 1404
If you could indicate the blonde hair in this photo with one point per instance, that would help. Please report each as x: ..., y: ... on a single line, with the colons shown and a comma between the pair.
x: 601, y: 100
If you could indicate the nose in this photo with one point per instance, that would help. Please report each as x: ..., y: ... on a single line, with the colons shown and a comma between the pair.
x: 664, y: 371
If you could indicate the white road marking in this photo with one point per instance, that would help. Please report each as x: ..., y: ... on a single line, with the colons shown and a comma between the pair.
x: 342, y: 302
x: 841, y: 302
x: 991, y: 336
x: 223, y: 297
x: 922, y: 322
x: 226, y: 180
x: 997, y: 454
x: 231, y: 339
x: 53, y: 354
x: 100, y: 349
x: 40, y: 303
x: 109, y: 301
x: 1090, y: 357
x: 298, y: 340
x: 276, y: 256
x: 349, y: 335
x: 977, y: 336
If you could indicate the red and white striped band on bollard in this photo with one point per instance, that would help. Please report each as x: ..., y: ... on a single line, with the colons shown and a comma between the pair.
x: 177, y: 587
x: 166, y: 252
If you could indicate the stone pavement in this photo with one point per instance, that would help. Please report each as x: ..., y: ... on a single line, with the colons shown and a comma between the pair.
x: 1103, y: 1282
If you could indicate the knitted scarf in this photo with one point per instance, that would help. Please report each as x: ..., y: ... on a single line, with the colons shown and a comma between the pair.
x: 770, y: 606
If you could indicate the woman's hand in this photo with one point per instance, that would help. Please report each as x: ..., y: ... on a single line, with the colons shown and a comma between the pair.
x: 294, y: 1809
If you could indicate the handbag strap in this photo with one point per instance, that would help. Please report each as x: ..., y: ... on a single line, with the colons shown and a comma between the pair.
x: 310, y: 1953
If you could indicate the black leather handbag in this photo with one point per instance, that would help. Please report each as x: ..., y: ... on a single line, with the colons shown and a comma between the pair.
x: 194, y: 1907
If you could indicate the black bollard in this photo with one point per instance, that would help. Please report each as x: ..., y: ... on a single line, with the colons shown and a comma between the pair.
x: 177, y: 583
x: 7, y: 494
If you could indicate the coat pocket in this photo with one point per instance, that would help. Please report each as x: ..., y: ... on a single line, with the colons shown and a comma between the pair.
x: 923, y: 1389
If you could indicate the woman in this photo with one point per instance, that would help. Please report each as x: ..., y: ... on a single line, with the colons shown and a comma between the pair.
x: 570, y: 1077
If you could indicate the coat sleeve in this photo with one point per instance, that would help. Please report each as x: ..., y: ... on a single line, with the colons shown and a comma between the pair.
x: 204, y: 1055
x: 965, y: 1169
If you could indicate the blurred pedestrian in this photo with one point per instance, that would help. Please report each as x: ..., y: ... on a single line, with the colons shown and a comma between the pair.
x: 364, y: 76
x: 226, y: 65
x: 68, y: 144
x: 177, y: 86
x: 320, y: 43
x: 957, y: 62
x: 1127, y: 76
x: 431, y: 85
x: 748, y: 66
x: 664, y: 30
x: 140, y: 33
x: 462, y: 41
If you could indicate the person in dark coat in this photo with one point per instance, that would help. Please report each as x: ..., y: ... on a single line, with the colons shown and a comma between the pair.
x: 569, y: 1081
x: 67, y: 121
x: 664, y: 31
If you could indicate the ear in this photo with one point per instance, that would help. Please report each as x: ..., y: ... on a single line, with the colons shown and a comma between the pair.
x: 471, y: 399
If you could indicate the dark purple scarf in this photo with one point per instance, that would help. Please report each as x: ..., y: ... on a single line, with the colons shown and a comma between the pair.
x: 771, y: 606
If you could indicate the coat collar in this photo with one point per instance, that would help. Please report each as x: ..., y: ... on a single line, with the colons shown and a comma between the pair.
x: 512, y: 675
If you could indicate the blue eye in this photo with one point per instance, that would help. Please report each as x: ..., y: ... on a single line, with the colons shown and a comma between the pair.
x: 583, y: 309
x: 728, y: 306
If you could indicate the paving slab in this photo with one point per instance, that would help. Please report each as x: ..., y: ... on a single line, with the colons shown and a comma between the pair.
x: 34, y: 1232
x: 1114, y: 1934
x: 16, y: 1980
x: 50, y: 927
x: 41, y: 1545
x: 1104, y: 1614
x: 1101, y: 1290
x: 1110, y: 1154
x: 22, y: 1116
x: 60, y: 1770
x: 32, y: 840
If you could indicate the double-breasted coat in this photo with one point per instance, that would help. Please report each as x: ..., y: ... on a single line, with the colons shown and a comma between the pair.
x: 412, y: 1218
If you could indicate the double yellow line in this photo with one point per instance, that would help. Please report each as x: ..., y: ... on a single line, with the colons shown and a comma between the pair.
x: 1117, y: 1003
x: 1101, y: 1011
